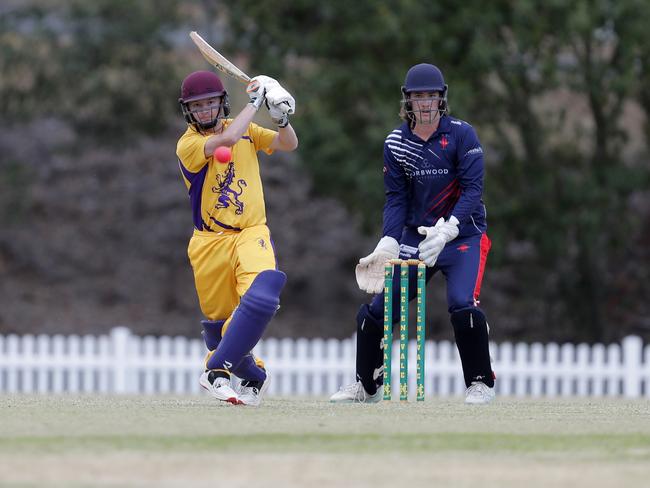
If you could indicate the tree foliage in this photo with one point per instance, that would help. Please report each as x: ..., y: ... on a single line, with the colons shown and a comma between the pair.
x: 106, y: 67
x: 546, y: 83
x: 556, y: 90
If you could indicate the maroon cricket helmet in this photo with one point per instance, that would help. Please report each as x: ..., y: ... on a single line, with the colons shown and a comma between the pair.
x: 198, y: 86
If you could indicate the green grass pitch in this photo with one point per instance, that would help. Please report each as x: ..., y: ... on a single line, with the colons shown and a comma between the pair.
x: 195, y: 441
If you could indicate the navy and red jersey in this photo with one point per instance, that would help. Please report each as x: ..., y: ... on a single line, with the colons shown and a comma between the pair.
x: 440, y: 177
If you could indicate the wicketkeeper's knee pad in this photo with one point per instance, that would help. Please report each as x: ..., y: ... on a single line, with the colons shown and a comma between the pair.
x: 212, y: 333
x: 471, y: 332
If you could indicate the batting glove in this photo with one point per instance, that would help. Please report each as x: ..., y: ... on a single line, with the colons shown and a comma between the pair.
x: 436, y: 239
x: 258, y: 87
x: 278, y: 114
x: 370, y: 270
x: 276, y: 95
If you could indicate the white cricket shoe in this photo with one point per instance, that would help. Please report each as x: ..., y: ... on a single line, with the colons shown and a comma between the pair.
x: 356, y: 393
x: 479, y: 393
x: 251, y: 392
x: 219, y: 387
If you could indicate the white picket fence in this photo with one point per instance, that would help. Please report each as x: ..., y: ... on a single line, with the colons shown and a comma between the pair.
x: 122, y: 363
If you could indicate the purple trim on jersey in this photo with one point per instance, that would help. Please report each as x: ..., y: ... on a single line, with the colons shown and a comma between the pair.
x: 247, y: 138
x: 196, y: 188
x: 221, y: 224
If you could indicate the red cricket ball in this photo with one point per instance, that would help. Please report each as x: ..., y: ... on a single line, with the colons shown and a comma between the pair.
x: 223, y: 154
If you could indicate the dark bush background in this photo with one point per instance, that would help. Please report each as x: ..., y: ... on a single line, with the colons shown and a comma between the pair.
x: 94, y: 218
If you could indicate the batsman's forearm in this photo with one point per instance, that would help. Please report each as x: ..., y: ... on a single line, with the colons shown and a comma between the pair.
x: 287, y: 138
x: 233, y: 132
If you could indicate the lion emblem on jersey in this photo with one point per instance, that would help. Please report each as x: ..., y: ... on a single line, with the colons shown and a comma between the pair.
x: 227, y: 195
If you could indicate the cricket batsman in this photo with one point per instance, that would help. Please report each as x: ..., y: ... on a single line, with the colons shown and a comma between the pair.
x: 433, y: 181
x: 231, y: 251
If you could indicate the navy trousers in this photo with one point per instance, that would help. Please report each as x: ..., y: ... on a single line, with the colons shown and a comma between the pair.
x: 462, y: 262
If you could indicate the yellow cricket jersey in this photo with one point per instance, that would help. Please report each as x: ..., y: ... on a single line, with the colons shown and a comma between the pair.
x: 225, y: 195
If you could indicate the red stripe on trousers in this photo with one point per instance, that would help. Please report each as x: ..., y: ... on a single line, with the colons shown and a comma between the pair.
x: 486, y: 244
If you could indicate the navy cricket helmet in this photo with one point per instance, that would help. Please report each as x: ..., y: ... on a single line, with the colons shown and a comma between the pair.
x: 423, y: 77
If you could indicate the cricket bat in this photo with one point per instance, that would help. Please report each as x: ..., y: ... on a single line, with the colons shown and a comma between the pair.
x: 213, y: 57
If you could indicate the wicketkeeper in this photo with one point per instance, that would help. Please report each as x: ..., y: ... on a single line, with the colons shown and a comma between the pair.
x: 231, y: 252
x: 433, y: 179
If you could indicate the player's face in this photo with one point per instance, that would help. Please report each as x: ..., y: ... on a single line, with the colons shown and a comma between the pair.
x: 205, y: 110
x: 425, y: 106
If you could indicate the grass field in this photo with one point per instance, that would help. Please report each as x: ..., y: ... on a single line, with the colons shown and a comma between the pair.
x: 193, y: 441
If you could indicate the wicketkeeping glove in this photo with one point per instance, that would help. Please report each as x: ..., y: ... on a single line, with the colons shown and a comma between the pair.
x: 436, y: 239
x: 370, y: 270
